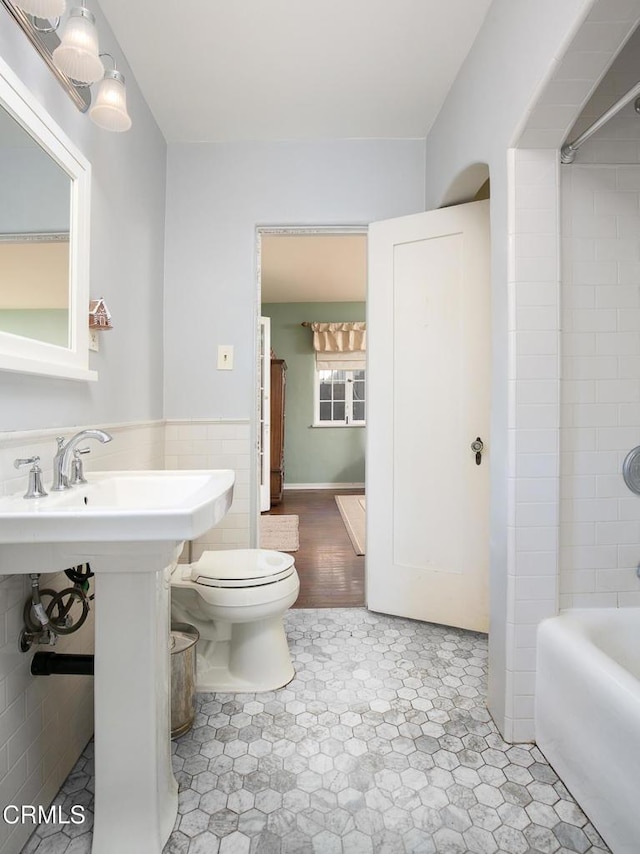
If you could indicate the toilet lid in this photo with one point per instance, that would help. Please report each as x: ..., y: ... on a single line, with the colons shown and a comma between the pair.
x: 242, y: 568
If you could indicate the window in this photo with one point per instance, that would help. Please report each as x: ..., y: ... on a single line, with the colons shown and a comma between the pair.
x: 339, y: 398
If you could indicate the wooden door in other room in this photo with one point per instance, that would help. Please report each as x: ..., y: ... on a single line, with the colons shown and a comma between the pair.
x: 278, y: 383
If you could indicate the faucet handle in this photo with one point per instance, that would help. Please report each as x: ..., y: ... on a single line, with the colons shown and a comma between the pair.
x: 35, y: 488
x: 77, y: 472
x: 27, y: 461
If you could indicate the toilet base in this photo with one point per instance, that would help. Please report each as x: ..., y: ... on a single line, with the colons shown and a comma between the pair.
x: 252, y: 658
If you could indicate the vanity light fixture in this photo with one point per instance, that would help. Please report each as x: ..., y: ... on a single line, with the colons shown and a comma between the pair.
x: 109, y: 111
x: 76, y: 60
x: 77, y: 54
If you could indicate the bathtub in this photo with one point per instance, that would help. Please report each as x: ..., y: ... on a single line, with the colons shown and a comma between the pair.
x: 587, y: 715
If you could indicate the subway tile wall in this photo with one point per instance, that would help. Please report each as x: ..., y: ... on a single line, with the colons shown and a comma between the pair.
x: 534, y: 419
x: 594, y: 350
x: 46, y: 721
x: 600, y: 517
x: 215, y: 444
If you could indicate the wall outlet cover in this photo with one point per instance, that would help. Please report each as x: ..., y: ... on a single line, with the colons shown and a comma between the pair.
x: 94, y: 341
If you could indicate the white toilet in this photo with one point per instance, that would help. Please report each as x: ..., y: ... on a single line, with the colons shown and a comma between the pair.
x: 237, y: 599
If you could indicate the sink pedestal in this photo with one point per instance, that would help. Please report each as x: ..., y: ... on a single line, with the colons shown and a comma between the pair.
x: 136, y: 794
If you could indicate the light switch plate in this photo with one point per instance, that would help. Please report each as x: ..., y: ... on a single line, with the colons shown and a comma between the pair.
x: 225, y: 357
x: 94, y: 341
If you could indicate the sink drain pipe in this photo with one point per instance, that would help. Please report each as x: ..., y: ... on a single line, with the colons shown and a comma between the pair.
x: 64, y: 614
x: 38, y: 607
x: 50, y: 663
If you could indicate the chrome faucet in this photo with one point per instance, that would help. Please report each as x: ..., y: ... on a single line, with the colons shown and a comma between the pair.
x: 64, y: 455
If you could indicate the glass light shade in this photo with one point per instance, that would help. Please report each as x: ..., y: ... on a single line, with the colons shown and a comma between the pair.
x: 109, y: 110
x: 77, y: 54
x: 42, y: 8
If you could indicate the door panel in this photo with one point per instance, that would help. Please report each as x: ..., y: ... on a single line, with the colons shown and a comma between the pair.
x: 429, y: 359
x: 264, y: 440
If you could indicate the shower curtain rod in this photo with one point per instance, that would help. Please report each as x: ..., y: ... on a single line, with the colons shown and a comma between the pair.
x: 569, y: 150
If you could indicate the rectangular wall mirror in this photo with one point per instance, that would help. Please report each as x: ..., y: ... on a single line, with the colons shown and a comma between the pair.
x: 44, y: 240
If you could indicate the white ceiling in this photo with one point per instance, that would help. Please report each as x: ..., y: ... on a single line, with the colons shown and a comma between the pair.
x: 313, y: 268
x: 292, y: 69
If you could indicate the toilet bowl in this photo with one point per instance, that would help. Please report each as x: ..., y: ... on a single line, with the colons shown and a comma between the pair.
x: 237, y: 599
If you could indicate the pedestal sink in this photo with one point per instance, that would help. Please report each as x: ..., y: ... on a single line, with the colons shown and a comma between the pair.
x: 130, y: 526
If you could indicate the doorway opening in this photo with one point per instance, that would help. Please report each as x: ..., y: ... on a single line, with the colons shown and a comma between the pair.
x: 311, y: 415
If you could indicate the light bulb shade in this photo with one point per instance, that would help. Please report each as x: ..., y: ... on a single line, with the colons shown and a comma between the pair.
x: 42, y: 8
x: 109, y: 110
x: 77, y: 54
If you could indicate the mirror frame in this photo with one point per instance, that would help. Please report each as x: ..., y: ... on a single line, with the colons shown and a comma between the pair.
x: 27, y: 355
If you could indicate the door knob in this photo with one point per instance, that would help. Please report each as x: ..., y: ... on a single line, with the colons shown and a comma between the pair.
x: 477, y: 447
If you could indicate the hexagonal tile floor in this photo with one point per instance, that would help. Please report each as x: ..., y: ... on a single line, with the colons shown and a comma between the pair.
x: 382, y: 744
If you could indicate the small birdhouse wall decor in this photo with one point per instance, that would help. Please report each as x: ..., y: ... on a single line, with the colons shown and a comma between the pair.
x: 99, y: 315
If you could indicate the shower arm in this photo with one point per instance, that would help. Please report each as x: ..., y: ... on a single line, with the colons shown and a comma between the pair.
x: 569, y: 150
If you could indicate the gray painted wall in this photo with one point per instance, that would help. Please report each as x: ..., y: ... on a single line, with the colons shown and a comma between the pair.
x: 127, y: 254
x: 216, y: 196
x: 312, y: 454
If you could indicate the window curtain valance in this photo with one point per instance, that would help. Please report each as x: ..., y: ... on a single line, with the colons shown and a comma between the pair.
x: 340, y: 346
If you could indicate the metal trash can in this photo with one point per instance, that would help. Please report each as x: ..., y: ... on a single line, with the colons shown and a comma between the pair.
x: 183, y: 677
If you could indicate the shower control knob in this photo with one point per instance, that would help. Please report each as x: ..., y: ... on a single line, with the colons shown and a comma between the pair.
x: 631, y: 470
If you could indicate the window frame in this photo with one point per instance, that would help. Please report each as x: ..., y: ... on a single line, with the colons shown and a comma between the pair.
x: 349, y: 380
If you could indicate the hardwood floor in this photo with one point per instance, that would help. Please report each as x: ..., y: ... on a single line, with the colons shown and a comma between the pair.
x: 331, y: 573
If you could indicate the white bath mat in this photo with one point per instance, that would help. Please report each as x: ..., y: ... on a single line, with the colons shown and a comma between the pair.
x: 279, y: 533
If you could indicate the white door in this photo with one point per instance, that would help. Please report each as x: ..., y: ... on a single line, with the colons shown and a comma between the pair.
x: 264, y: 436
x: 429, y: 340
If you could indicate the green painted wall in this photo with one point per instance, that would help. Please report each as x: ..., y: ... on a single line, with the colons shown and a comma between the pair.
x: 312, y: 454
x: 45, y: 324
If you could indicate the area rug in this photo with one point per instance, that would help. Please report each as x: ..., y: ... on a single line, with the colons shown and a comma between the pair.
x: 279, y: 533
x: 352, y: 510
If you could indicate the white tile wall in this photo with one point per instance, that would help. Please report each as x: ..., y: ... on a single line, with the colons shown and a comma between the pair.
x: 600, y: 518
x: 45, y: 722
x: 215, y: 444
x: 534, y: 422
x: 599, y: 366
x: 600, y: 527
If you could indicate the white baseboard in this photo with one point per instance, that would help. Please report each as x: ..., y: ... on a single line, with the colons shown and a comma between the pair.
x: 324, y: 486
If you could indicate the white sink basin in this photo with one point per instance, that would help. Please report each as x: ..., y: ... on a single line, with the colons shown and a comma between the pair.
x: 121, y: 506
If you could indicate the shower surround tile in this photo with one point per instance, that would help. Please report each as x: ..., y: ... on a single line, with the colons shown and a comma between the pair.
x: 382, y: 743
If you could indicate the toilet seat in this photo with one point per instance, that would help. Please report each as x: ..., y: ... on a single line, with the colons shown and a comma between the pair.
x: 242, y: 568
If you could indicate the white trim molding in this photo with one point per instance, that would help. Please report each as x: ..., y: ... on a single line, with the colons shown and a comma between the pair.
x: 324, y: 486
